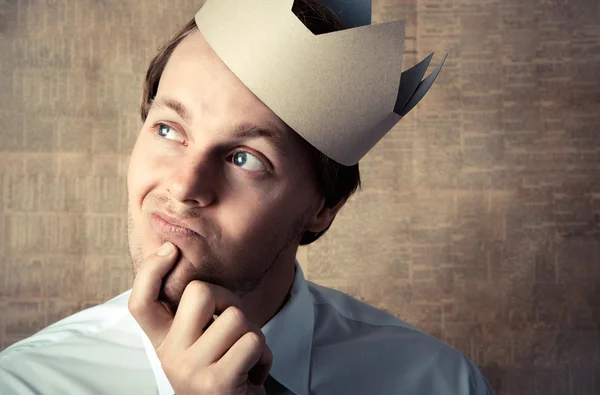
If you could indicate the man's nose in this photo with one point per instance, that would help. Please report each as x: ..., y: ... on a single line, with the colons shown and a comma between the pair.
x: 193, y: 182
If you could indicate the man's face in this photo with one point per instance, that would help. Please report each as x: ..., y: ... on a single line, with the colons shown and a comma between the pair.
x: 247, y: 202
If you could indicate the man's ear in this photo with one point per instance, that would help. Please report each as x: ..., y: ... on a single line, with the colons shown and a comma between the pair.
x: 324, y: 216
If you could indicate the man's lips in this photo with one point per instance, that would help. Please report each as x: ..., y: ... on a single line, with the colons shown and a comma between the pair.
x: 172, y: 227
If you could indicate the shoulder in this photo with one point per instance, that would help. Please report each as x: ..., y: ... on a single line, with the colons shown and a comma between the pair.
x: 354, y: 339
x: 87, y: 350
x: 88, y: 322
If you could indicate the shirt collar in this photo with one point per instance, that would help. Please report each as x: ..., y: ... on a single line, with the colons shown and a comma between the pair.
x: 289, y: 335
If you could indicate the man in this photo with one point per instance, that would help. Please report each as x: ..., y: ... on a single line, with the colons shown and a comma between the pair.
x: 222, y: 191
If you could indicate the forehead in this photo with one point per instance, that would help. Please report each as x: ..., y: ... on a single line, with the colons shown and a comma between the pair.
x: 197, y: 77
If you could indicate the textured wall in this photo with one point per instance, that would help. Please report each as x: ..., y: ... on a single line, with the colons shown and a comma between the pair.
x: 479, y: 220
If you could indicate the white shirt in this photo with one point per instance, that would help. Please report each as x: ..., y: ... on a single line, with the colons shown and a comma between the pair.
x: 323, y: 342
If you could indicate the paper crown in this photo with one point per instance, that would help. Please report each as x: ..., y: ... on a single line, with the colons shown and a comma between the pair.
x: 341, y: 91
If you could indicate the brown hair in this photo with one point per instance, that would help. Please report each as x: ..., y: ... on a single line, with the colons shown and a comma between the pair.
x: 335, y: 181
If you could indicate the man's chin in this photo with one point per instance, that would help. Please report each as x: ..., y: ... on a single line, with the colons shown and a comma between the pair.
x: 178, y: 278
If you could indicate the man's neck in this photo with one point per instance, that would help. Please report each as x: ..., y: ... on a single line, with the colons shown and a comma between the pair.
x: 273, y: 293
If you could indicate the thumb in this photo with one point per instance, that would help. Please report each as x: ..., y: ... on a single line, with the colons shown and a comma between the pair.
x: 144, y: 305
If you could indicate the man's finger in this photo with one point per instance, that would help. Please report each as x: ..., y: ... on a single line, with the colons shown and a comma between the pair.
x: 222, y: 334
x: 251, y: 355
x: 199, y: 302
x: 152, y: 316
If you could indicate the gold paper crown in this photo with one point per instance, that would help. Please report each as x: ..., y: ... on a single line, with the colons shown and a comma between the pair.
x: 341, y: 91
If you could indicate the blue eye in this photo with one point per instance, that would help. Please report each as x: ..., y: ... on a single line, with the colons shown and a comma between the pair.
x: 166, y: 131
x: 242, y: 157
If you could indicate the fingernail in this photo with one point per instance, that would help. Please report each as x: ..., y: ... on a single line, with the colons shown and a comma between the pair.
x: 165, y: 249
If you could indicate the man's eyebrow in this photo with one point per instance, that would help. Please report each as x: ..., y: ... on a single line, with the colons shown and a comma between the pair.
x: 172, y: 104
x: 268, y: 130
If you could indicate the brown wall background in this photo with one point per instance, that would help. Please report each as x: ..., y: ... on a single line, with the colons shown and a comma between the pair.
x: 479, y: 220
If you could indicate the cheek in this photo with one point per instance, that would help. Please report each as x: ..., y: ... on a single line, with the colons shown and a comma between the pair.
x: 140, y: 174
x: 257, y: 216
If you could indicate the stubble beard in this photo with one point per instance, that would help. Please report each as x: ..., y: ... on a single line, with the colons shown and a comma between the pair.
x: 244, y: 281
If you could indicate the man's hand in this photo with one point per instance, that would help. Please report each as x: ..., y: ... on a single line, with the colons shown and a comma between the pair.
x: 227, y: 358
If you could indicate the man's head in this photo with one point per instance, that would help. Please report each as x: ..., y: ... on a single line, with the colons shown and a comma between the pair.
x: 251, y: 200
